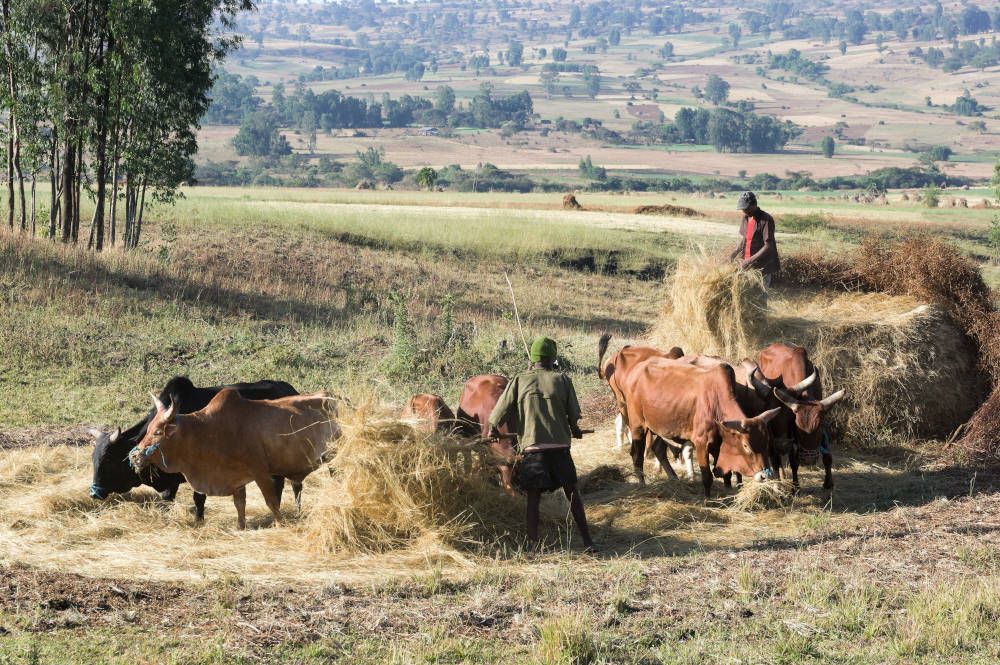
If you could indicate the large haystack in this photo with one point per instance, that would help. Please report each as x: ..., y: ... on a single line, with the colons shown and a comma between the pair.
x: 391, y: 487
x: 908, y: 370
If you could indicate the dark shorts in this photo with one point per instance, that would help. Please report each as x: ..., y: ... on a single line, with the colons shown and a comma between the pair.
x: 546, y: 470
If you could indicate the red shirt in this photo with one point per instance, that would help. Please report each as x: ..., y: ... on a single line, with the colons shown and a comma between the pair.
x: 751, y: 227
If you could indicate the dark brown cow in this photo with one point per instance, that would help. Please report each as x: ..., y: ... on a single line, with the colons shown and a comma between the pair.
x: 233, y: 441
x: 797, y: 387
x: 431, y: 412
x: 618, y: 366
x: 677, y: 400
x: 479, y: 396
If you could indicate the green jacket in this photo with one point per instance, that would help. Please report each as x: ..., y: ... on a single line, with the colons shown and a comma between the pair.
x: 542, y: 404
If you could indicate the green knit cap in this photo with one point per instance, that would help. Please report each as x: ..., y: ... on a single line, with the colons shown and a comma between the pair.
x: 543, y: 348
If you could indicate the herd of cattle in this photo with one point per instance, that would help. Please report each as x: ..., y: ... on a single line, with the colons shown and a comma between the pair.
x: 731, y: 418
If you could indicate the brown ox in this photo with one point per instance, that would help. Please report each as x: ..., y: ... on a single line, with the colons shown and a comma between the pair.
x: 677, y: 400
x: 617, y: 368
x: 233, y: 441
x: 479, y: 396
x: 797, y: 388
x: 431, y: 412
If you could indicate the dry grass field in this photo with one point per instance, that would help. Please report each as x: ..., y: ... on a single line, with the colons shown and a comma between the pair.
x: 896, y: 564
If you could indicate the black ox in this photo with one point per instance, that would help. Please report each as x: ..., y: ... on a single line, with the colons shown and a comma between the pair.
x: 113, y: 474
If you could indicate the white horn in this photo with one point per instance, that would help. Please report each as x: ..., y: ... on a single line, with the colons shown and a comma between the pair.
x: 769, y: 415
x: 832, y: 399
x: 786, y: 399
x: 761, y: 385
x: 804, y: 383
x: 157, y: 403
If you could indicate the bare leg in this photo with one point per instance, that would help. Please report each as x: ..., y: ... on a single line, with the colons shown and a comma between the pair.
x: 534, y: 498
x: 199, y: 506
x: 579, y: 515
x: 727, y: 480
x: 297, y: 491
x: 240, y: 501
x: 266, y: 486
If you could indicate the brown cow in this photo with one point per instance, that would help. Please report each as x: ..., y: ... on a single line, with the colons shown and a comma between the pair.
x: 678, y: 400
x: 431, y: 412
x: 233, y: 441
x: 617, y: 367
x: 797, y: 387
x: 479, y: 396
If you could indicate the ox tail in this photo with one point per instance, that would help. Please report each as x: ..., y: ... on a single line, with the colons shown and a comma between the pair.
x: 602, y: 348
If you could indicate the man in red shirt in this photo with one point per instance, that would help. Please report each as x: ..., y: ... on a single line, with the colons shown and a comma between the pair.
x: 757, y: 248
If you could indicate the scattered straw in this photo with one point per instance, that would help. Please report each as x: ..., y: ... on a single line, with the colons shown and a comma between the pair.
x: 754, y: 496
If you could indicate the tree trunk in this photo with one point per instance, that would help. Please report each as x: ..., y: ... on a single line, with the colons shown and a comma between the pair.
x: 53, y: 183
x: 114, y: 200
x: 138, y: 219
x: 10, y: 179
x: 68, y: 188
x: 34, y: 178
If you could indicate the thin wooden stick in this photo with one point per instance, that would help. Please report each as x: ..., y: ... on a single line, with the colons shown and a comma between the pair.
x: 517, y: 316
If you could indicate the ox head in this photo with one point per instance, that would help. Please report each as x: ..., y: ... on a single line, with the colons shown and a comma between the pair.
x: 504, y: 454
x: 809, y: 415
x: 746, y: 446
x: 161, y: 428
x: 112, y: 474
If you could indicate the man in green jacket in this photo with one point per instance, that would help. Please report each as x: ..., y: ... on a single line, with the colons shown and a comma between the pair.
x: 542, y: 402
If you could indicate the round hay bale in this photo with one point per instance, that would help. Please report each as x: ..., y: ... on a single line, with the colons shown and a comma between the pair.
x: 908, y: 371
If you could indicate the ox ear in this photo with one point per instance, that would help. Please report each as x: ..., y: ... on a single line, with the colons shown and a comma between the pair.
x: 768, y: 415
x: 737, y: 425
x: 833, y: 399
x: 787, y: 400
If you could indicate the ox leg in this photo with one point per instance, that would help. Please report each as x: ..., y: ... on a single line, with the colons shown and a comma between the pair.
x: 297, y: 492
x: 266, y: 486
x: 279, y: 486
x: 687, y: 457
x: 827, y: 467
x: 619, y: 432
x: 776, y: 462
x: 660, y: 451
x: 793, y: 462
x: 199, y: 506
x: 638, y: 454
x: 706, y: 471
x: 240, y: 501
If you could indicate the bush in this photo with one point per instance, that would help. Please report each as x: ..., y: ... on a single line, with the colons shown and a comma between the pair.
x: 805, y: 223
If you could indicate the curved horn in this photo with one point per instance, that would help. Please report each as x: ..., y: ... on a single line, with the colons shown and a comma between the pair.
x: 169, y: 415
x: 832, y: 399
x: 117, y: 435
x: 769, y: 415
x: 157, y: 403
x: 804, y: 383
x: 761, y: 385
x: 786, y: 399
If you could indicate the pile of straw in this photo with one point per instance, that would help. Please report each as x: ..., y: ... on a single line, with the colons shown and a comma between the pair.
x: 754, y: 496
x: 908, y: 370
x: 390, y: 487
x: 713, y: 307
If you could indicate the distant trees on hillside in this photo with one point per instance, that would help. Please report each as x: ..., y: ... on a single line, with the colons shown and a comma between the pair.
x: 716, y: 89
x: 733, y: 131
